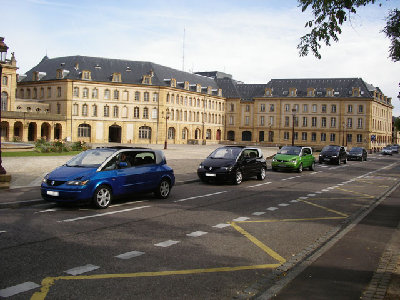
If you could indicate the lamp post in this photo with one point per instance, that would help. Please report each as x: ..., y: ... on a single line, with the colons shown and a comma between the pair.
x: 344, y: 132
x: 166, y: 129
x: 3, y: 54
x: 294, y: 116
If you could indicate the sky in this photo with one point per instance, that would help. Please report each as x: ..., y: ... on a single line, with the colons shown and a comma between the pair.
x: 255, y: 41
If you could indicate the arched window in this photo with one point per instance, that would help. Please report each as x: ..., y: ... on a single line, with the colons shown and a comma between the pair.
x: 107, y: 94
x: 84, y: 110
x: 136, y: 112
x: 76, y: 92
x: 171, y: 133
x: 145, y: 113
x: 4, y: 101
x: 124, y: 112
x: 184, y: 133
x: 85, y: 93
x: 144, y: 132
x: 84, y: 130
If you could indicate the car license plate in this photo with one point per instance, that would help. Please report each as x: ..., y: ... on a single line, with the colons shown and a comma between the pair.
x: 327, y: 159
x: 52, y: 193
x: 211, y: 174
x: 282, y: 165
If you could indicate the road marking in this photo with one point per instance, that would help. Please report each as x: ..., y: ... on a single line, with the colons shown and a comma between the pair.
x: 47, y: 210
x: 197, y: 233
x: 3, y: 231
x: 272, y: 208
x: 166, y: 243
x: 201, y: 196
x: 260, y: 184
x: 129, y: 255
x: 223, y: 225
x: 283, y: 204
x: 240, y: 219
x: 128, y: 203
x: 81, y: 269
x: 50, y: 281
x: 258, y: 213
x: 294, y: 201
x: 318, y: 192
x: 325, y: 208
x: 104, y: 214
x: 19, y: 288
x: 311, y: 195
x: 303, y: 198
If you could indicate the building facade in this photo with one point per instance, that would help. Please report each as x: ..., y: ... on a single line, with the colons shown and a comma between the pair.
x: 100, y: 100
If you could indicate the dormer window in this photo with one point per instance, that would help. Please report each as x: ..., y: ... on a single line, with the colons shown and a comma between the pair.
x: 186, y: 85
x: 198, y: 88
x: 146, y: 79
x: 293, y: 92
x: 356, y: 92
x: 173, y: 82
x: 310, y: 92
x: 61, y: 73
x: 35, y: 76
x: 86, y: 75
x: 329, y: 92
x: 268, y: 92
x: 116, y: 77
x: 209, y: 90
x: 220, y: 92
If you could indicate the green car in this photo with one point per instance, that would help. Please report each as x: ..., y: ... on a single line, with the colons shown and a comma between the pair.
x: 293, y: 158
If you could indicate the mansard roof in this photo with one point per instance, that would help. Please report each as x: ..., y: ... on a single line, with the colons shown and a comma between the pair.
x: 101, y: 69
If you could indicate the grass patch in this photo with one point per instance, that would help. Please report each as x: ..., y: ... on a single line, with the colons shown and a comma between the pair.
x: 33, y: 153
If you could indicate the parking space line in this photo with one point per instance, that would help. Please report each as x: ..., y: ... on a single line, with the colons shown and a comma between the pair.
x: 260, y: 184
x: 241, y: 219
x: 201, y: 196
x: 129, y: 255
x: 272, y: 208
x: 166, y: 243
x: 258, y: 213
x: 223, y: 225
x: 197, y: 233
x: 17, y: 289
x: 325, y: 208
x: 81, y: 269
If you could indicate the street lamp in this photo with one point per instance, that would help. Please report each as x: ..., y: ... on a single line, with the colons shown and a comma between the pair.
x: 344, y: 132
x: 3, y: 54
x: 294, y: 116
x: 166, y: 129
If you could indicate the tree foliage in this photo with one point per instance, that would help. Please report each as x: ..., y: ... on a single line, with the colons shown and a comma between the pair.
x: 397, y: 124
x: 329, y: 16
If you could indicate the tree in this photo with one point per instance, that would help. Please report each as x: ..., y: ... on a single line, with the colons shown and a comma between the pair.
x: 329, y: 16
x: 397, y: 124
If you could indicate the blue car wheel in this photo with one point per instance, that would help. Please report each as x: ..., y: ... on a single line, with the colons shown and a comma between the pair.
x: 163, y: 190
x: 102, y: 196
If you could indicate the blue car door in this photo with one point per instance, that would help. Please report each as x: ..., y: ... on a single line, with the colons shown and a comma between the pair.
x: 144, y: 173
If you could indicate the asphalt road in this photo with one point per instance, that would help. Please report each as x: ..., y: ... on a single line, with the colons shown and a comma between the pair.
x: 207, y: 241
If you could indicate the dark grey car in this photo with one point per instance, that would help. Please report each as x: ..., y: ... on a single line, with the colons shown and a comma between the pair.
x: 333, y: 154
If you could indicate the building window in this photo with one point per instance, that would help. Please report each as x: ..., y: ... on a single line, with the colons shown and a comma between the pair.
x: 247, y: 108
x: 314, y: 121
x: 58, y: 108
x: 360, y: 123
x: 4, y: 101
x: 146, y: 97
x: 246, y: 120
x: 296, y: 136
x: 115, y: 111
x: 155, y: 97
x: 359, y: 138
x: 314, y: 108
x: 333, y: 122
x: 125, y: 95
x: 349, y: 108
x: 84, y: 110
x: 271, y: 121
x: 271, y: 107
x: 262, y: 107
x: 231, y: 120
x: 107, y: 94
x: 171, y: 133
x: 86, y: 75
x: 137, y: 96
x: 313, y: 136
x: 116, y: 94
x: 262, y: 121
x: 305, y: 121
x: 116, y: 77
x: 286, y: 135
x: 360, y: 109
x: 323, y: 108
x: 287, y: 120
x: 296, y: 107
x: 94, y: 110
x: 145, y: 113
x: 231, y: 107
x: 144, y: 132
x: 287, y: 107
x: 154, y: 113
x: 349, y: 137
x: 333, y: 137
x: 304, y: 136
x: 84, y: 130
x: 76, y: 92
x: 5, y: 81
x: 85, y: 93
x: 58, y: 91
x: 136, y: 112
x: 124, y: 112
x: 323, y: 122
x: 208, y: 134
x: 106, y: 111
x: 305, y: 108
x: 75, y: 109
x: 349, y: 123
x: 95, y: 93
x: 323, y: 137
x: 333, y: 108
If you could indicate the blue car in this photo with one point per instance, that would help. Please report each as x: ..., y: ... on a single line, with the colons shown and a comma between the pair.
x: 100, y: 174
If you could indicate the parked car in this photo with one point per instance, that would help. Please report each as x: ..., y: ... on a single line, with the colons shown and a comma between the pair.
x: 395, y: 148
x: 357, y: 153
x: 293, y: 158
x: 333, y: 154
x: 387, y: 150
x: 233, y: 164
x: 99, y: 175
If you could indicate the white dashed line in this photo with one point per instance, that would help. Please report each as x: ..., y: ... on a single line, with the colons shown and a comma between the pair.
x: 47, y: 210
x: 201, y: 196
x: 283, y: 204
x: 303, y: 198
x: 258, y: 213
x: 260, y: 184
x: 129, y: 255
x: 16, y: 289
x: 241, y: 219
x: 166, y: 243
x: 222, y: 225
x: 103, y: 214
x: 3, y: 231
x: 311, y: 195
x: 81, y: 269
x: 197, y: 233
x: 272, y: 208
x: 294, y: 201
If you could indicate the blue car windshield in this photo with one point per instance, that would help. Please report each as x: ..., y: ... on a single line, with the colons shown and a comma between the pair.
x: 290, y: 150
x: 225, y: 153
x: 90, y: 158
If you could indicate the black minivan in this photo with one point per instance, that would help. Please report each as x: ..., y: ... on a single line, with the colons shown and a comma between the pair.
x: 333, y: 154
x: 233, y: 164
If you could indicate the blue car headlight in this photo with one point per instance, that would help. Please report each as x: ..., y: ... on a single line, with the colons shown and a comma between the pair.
x: 78, y: 182
x: 45, y: 178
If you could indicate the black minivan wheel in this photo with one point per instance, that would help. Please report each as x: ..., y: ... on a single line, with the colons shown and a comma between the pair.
x: 238, y: 177
x: 262, y: 174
